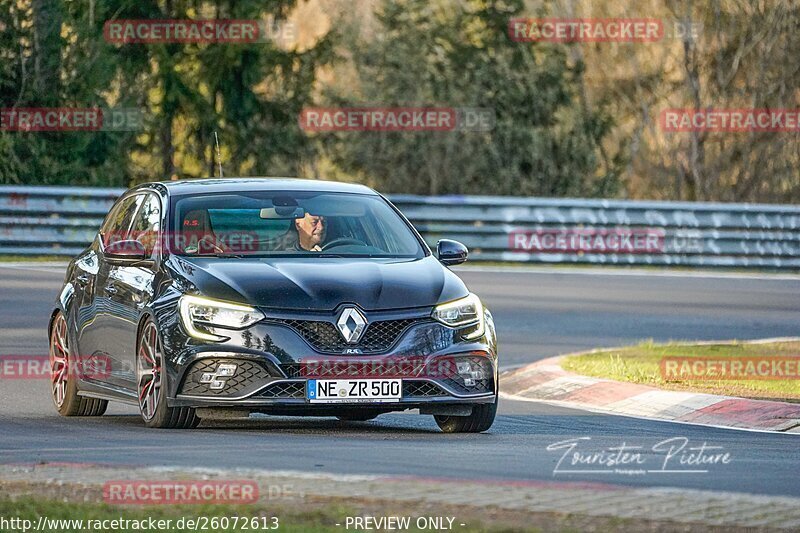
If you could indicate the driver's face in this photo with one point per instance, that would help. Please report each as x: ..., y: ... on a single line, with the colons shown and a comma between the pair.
x: 311, y: 229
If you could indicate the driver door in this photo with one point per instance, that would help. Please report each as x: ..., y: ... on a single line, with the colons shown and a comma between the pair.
x: 130, y: 288
x: 95, y: 331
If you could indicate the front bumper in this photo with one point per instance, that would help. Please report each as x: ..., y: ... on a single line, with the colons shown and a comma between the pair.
x: 260, y: 381
x: 273, y: 363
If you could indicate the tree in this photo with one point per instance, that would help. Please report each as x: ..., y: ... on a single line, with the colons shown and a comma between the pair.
x: 55, y: 55
x: 721, y: 54
x: 546, y: 141
x: 746, y: 57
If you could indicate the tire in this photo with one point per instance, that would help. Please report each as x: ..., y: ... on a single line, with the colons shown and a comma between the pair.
x: 149, y: 386
x: 480, y: 420
x: 63, y: 378
x: 356, y: 416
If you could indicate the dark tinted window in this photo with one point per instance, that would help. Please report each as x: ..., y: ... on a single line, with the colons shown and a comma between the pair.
x: 147, y: 223
x: 118, y: 222
x: 290, y: 223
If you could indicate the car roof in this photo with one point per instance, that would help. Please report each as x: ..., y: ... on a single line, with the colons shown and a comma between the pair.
x: 199, y: 186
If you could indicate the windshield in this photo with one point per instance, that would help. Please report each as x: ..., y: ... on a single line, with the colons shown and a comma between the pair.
x: 281, y: 223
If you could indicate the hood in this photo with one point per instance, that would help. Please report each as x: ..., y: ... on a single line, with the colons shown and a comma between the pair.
x: 322, y: 284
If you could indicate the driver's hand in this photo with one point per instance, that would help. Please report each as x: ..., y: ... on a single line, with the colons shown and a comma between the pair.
x: 316, y: 248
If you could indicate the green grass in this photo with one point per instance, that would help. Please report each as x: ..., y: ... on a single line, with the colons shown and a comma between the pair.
x: 299, y: 520
x: 71, y: 502
x: 641, y: 364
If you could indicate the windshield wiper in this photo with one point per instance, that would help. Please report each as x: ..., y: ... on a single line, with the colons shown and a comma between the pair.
x: 221, y: 256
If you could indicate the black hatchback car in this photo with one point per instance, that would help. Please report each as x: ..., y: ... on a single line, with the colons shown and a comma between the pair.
x: 225, y: 297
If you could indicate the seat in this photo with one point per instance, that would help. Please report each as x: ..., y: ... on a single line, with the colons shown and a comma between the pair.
x: 197, y: 233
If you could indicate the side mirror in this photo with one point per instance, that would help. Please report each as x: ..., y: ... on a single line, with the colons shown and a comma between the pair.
x: 451, y: 252
x: 128, y: 250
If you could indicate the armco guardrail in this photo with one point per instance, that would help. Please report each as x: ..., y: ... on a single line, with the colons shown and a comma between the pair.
x: 62, y: 220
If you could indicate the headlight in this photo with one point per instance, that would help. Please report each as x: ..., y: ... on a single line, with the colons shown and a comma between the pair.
x: 198, y: 313
x: 461, y: 313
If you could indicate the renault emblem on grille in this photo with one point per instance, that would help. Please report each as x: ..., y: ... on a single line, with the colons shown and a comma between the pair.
x: 351, y: 325
x: 216, y: 380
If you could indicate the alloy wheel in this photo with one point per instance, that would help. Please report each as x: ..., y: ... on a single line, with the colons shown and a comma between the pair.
x: 148, y: 371
x: 59, y: 360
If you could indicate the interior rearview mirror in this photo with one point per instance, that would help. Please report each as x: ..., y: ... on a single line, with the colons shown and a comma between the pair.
x: 282, y: 212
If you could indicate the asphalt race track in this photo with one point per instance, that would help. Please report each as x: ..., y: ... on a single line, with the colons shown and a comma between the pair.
x: 539, y: 313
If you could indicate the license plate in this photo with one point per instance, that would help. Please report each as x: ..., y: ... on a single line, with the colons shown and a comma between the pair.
x: 354, y: 390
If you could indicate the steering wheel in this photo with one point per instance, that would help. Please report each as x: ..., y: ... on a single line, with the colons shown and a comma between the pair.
x: 342, y: 241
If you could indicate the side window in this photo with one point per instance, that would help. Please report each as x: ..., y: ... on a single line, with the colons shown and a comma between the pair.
x: 147, y: 223
x: 118, y: 221
x: 105, y: 229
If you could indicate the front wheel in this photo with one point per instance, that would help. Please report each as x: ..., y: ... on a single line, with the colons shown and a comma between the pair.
x: 480, y: 420
x: 150, y: 385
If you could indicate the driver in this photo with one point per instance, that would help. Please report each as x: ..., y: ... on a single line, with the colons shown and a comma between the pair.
x: 311, y: 232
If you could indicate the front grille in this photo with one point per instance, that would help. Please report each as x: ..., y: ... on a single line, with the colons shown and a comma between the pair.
x: 285, y: 389
x: 422, y: 388
x: 248, y: 376
x: 442, y: 369
x: 379, y: 336
x: 292, y: 370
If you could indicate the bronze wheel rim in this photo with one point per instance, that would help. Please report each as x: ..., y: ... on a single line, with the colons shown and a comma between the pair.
x: 59, y: 360
x: 148, y: 371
